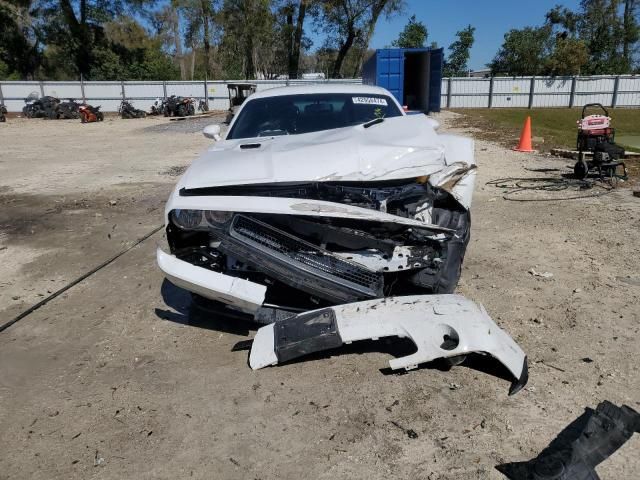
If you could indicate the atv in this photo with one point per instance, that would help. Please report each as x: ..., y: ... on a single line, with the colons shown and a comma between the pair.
x: 90, y: 114
x: 3, y: 113
x: 179, y: 107
x: 126, y: 110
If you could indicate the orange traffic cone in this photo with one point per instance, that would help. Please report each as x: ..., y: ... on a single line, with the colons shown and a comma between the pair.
x: 525, y: 138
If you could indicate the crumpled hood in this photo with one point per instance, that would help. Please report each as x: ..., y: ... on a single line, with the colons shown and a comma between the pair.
x: 399, y: 147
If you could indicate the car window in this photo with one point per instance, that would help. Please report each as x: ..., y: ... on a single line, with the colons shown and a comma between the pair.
x: 296, y: 114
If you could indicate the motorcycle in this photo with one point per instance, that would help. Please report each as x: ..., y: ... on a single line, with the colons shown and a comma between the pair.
x: 179, y: 107
x: 158, y: 107
x: 90, y: 114
x: 126, y: 110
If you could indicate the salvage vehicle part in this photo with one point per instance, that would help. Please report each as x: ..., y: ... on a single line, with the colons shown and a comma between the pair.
x: 127, y: 110
x: 440, y: 326
x: 89, y: 114
x: 328, y: 200
x: 69, y: 110
x: 581, y: 446
x: 157, y: 107
x: 322, y: 195
x: 3, y: 113
x: 175, y: 106
x: 45, y: 107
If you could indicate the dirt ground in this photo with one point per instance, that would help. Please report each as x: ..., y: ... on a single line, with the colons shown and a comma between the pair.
x: 117, y: 379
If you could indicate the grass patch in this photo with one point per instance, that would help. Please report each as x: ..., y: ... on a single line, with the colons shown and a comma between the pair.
x: 551, y: 127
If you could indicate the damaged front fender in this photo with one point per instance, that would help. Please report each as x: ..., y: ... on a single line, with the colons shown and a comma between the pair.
x: 440, y: 326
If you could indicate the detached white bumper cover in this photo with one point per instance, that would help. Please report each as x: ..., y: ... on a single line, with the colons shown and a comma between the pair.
x: 441, y: 326
x: 242, y: 294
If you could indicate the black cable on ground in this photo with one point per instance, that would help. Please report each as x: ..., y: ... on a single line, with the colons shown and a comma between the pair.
x: 546, y: 184
x: 82, y: 277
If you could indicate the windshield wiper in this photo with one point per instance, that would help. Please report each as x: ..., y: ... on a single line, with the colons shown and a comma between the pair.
x: 373, y: 122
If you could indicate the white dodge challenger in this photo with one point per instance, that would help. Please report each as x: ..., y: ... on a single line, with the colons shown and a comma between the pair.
x: 329, y: 215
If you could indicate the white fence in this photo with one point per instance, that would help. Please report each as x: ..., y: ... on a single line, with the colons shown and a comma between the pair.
x: 523, y: 92
x: 141, y: 94
x: 534, y: 92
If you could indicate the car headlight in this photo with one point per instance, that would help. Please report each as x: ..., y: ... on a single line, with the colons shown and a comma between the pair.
x: 216, y: 218
x: 187, y: 219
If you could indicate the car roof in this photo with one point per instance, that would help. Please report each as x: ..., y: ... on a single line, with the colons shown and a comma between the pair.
x: 320, y: 88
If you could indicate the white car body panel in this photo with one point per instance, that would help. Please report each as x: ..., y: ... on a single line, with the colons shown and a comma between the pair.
x: 242, y: 294
x: 288, y: 206
x: 399, y: 147
x: 425, y: 319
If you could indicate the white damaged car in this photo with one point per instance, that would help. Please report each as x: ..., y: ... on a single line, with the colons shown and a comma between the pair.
x: 329, y: 215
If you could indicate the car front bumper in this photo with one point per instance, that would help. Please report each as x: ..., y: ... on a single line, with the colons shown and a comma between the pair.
x: 440, y: 326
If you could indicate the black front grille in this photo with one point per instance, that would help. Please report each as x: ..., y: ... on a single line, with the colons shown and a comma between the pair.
x: 304, y: 255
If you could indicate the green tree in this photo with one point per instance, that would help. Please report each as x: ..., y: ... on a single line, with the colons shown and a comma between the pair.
x: 602, y: 30
x: 414, y: 35
x: 456, y: 64
x: 568, y: 57
x: 524, y: 52
x: 247, y: 27
x: 349, y: 23
x: 20, y: 49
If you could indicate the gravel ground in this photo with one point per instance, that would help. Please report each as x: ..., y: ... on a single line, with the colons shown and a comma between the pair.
x: 117, y: 378
x: 188, y: 125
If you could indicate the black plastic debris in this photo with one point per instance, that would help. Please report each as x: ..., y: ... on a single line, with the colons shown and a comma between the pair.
x: 580, y: 447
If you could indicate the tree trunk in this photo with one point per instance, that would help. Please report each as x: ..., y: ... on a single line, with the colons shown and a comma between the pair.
x: 375, y: 14
x: 206, y: 19
x: 290, y: 35
x: 249, y: 66
x: 80, y: 32
x: 175, y: 30
x: 344, y: 49
x: 294, y: 55
x: 628, y: 27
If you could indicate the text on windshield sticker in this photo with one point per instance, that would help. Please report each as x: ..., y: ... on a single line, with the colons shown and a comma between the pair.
x: 369, y: 101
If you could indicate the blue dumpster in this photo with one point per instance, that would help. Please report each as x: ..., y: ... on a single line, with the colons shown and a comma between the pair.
x: 412, y: 75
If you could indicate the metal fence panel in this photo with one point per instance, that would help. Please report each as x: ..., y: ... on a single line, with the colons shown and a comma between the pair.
x: 551, y: 92
x: 107, y: 95
x: 63, y: 90
x: 456, y: 92
x: 143, y: 94
x: 14, y: 94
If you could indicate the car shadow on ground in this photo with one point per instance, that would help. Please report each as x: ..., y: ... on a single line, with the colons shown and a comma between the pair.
x: 185, y: 311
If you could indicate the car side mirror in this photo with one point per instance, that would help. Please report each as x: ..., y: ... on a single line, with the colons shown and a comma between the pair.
x: 212, y: 131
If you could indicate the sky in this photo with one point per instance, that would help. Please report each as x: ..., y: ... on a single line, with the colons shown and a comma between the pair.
x: 492, y: 19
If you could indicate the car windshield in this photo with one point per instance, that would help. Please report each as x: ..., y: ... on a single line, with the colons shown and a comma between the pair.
x: 296, y: 114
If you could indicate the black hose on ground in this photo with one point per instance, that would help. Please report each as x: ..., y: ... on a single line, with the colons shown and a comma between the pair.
x: 546, y: 184
x: 82, y: 277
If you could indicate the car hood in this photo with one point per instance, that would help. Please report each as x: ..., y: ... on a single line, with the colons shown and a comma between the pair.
x: 399, y: 147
